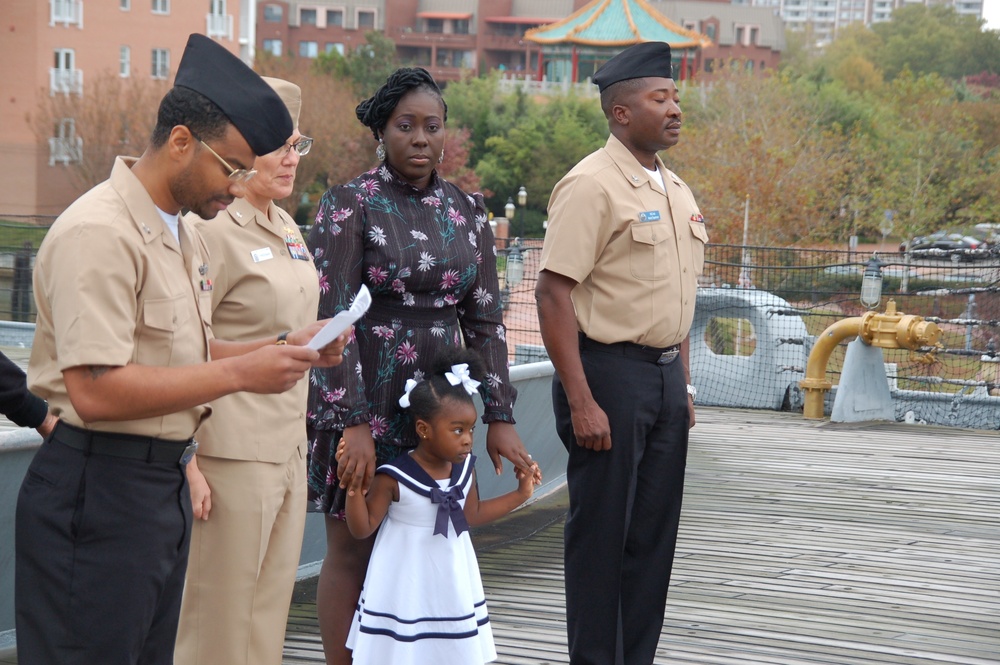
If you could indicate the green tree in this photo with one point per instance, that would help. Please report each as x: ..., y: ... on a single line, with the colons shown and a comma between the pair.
x: 478, y: 105
x: 936, y: 40
x: 925, y: 157
x: 366, y: 68
x: 764, y: 138
x: 547, y: 141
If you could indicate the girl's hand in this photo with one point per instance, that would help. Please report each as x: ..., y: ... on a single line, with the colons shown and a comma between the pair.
x: 527, y: 479
x: 502, y: 440
x: 356, y: 459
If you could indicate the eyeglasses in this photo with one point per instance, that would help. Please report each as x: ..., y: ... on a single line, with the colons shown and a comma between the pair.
x: 302, y: 147
x: 238, y: 176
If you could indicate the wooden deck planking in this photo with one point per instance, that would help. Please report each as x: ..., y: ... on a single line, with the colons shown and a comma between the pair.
x: 801, y: 543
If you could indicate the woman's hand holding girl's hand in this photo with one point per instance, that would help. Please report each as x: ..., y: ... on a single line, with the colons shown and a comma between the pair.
x: 502, y: 440
x: 356, y: 459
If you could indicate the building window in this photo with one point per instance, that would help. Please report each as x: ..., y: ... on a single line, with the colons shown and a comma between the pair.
x: 710, y: 31
x: 739, y: 35
x: 335, y: 46
x: 65, y: 59
x: 754, y: 34
x: 461, y: 26
x: 273, y: 46
x: 67, y: 12
x: 161, y: 6
x: 273, y: 13
x: 450, y: 58
x: 308, y: 49
x: 366, y: 19
x: 124, y: 61
x: 161, y: 63
x: 709, y: 65
x: 125, y: 5
x: 65, y: 146
x: 435, y: 26
x: 335, y: 17
x: 307, y: 17
x: 218, y: 23
x: 64, y: 77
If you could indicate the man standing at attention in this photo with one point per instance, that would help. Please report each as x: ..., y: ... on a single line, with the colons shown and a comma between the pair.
x: 623, y: 250
x: 121, y: 353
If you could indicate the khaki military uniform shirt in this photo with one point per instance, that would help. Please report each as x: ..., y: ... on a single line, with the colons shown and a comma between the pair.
x: 114, y: 287
x: 635, y: 251
x: 259, y: 290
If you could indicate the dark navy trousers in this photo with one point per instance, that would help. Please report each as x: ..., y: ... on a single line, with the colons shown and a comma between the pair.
x: 101, y: 550
x: 625, y: 506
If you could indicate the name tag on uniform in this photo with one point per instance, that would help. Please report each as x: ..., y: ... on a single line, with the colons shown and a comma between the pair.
x: 262, y: 254
x: 649, y: 216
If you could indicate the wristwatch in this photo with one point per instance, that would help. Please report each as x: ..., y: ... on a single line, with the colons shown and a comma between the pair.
x: 692, y: 391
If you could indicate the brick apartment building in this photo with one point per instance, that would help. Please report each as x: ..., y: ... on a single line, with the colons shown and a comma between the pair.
x: 450, y: 38
x: 53, y: 47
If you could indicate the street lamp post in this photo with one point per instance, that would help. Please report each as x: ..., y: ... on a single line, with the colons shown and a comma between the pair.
x: 509, y: 211
x: 514, y: 271
x: 871, y: 283
x: 522, y: 200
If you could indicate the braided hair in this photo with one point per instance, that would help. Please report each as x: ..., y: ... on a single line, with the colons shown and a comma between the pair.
x: 428, y: 395
x: 375, y: 111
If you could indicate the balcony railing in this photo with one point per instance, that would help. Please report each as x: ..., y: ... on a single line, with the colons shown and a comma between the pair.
x: 406, y: 37
x: 219, y: 25
x: 65, y: 81
x: 505, y: 43
x: 67, y: 12
x: 532, y: 86
x: 65, y: 150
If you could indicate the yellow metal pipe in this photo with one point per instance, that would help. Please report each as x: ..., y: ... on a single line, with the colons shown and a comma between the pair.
x: 887, y: 330
x: 816, y: 384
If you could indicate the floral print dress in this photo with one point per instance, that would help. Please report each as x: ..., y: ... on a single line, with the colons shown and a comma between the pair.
x: 428, y: 258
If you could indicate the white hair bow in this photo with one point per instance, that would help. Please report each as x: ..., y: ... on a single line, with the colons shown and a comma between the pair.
x: 460, y: 374
x: 404, y: 401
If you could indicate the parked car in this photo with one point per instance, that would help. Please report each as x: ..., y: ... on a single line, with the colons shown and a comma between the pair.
x: 954, y: 246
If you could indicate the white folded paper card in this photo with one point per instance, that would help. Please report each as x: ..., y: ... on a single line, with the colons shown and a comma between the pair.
x: 343, y: 320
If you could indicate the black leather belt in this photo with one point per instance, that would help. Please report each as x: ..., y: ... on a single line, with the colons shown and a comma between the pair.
x: 130, y: 446
x: 653, y: 354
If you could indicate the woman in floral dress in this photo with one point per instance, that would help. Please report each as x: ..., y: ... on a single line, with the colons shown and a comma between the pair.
x: 424, y: 249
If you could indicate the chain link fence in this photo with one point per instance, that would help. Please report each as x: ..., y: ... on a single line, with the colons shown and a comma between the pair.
x: 759, y: 312
x: 761, y: 309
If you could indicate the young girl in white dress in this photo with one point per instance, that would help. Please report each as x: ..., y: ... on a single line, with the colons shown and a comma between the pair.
x: 422, y: 600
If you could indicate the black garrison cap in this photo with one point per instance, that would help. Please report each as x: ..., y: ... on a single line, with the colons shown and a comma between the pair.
x: 253, y: 107
x: 646, y: 59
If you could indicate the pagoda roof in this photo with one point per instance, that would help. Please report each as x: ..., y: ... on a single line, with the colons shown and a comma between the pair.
x: 611, y: 23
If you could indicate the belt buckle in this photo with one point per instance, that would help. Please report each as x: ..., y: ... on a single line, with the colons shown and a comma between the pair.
x: 189, y: 452
x: 667, y: 356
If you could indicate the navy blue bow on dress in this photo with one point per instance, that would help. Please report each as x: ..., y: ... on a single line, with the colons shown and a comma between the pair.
x: 449, y: 507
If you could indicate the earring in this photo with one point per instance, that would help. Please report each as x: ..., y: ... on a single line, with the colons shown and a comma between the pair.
x: 441, y: 158
x: 380, y: 151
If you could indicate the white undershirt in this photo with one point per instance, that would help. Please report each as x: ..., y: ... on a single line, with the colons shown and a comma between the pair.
x: 657, y: 176
x: 172, y: 221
